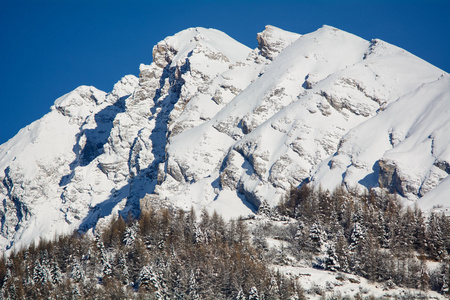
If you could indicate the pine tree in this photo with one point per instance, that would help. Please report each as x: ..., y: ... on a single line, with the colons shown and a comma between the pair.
x: 149, y: 278
x: 265, y: 209
x: 435, y: 237
x: 331, y: 261
x: 130, y: 235
x: 107, y: 268
x: 41, y: 273
x: 240, y: 295
x: 77, y: 272
x: 193, y: 287
x: 122, y: 269
x: 445, y: 276
x: 358, y: 234
x: 144, y: 276
x: 253, y: 294
x: 55, y: 272
x: 316, y: 237
x: 75, y: 292
x: 341, y: 250
x: 419, y: 230
x: 12, y: 291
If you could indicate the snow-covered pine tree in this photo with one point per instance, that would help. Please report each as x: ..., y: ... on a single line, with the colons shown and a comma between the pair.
x: 358, y: 234
x: 130, y: 235
x: 55, y: 273
x: 253, y: 294
x: 240, y: 295
x: 77, y: 272
x: 151, y: 280
x: 41, y: 273
x: 316, y: 237
x: 265, y: 209
x: 122, y: 268
x: 435, y: 237
x: 193, y: 287
x: 330, y: 260
x: 355, y: 245
x: 144, y: 276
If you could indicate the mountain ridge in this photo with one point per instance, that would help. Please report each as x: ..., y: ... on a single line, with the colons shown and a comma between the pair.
x: 212, y: 123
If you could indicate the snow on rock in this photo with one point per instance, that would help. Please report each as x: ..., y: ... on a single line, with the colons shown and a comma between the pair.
x: 213, y: 124
x: 404, y: 148
x: 273, y: 40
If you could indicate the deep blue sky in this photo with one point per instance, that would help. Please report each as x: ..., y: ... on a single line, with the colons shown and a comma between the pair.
x: 48, y: 48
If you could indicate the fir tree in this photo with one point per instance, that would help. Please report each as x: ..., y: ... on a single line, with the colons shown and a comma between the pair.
x: 41, y: 273
x: 193, y: 287
x: 129, y: 235
x: 435, y: 237
x: 253, y: 294
x: 330, y: 260
x: 77, y: 272
x: 240, y: 295
x: 316, y: 238
x: 55, y: 272
x: 265, y: 209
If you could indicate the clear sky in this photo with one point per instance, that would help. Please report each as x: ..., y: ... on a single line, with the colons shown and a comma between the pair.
x: 49, y: 47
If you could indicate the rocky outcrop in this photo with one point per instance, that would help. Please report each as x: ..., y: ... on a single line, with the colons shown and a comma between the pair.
x: 273, y: 40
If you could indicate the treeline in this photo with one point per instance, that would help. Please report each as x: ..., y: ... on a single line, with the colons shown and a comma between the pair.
x: 166, y: 254
x: 369, y: 235
x: 173, y: 254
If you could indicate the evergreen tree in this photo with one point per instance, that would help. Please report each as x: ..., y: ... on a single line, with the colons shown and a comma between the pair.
x: 55, y: 272
x: 193, y: 287
x: 316, y: 237
x: 265, y: 209
x: 240, y: 295
x: 122, y: 269
x: 253, y: 294
x: 145, y: 276
x: 41, y: 273
x: 424, y: 276
x: 331, y: 261
x: 435, y: 238
x: 130, y: 235
x: 77, y: 272
x: 341, y: 251
x: 357, y: 236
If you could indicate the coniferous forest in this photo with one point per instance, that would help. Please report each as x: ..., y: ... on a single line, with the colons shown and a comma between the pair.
x: 173, y: 254
x: 369, y: 235
x: 166, y: 254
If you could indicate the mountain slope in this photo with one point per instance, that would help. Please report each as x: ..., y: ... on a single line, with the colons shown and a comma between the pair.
x: 212, y: 123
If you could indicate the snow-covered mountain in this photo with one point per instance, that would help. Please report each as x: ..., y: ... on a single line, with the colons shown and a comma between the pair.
x: 211, y: 123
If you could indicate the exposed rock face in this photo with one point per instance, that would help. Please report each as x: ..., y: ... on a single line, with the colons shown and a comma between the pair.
x: 211, y: 123
x: 388, y: 177
x: 273, y: 40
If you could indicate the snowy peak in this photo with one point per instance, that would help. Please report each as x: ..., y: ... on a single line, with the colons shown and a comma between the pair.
x: 213, y: 124
x: 273, y: 40
x: 78, y: 104
x: 175, y: 49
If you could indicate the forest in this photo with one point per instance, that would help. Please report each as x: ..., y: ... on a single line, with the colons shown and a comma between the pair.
x: 169, y: 253
x: 166, y: 254
x: 370, y: 235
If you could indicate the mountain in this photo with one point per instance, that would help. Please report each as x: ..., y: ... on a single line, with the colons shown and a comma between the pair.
x: 211, y: 123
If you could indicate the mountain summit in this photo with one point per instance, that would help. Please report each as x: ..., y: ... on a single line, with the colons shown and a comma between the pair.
x: 211, y: 123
